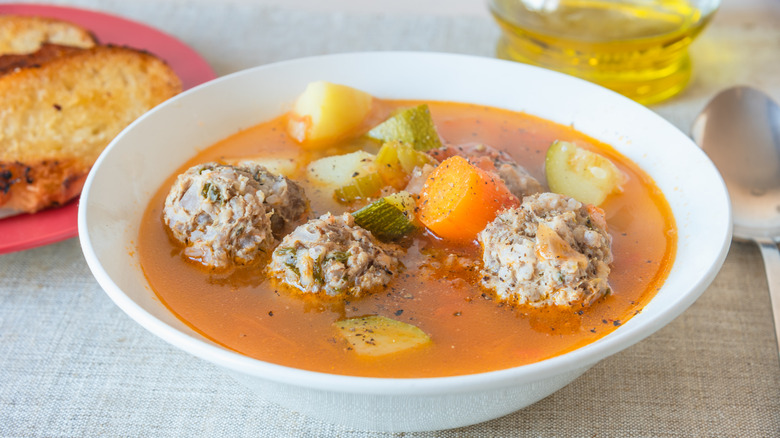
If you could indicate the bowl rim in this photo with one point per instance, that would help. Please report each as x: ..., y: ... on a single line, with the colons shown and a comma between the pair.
x: 580, y: 358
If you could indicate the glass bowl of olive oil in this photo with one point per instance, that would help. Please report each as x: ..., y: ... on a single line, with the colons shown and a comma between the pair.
x: 638, y: 48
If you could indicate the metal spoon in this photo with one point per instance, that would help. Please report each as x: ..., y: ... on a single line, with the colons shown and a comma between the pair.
x: 740, y: 131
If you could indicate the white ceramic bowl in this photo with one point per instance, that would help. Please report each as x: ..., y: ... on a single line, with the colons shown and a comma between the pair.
x: 141, y: 157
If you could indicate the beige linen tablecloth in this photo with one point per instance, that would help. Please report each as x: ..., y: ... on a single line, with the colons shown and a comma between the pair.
x: 72, y: 363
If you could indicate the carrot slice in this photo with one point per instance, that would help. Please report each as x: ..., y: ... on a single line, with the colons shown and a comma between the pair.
x: 458, y: 200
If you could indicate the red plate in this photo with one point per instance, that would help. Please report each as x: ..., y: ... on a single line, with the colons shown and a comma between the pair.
x: 30, y: 230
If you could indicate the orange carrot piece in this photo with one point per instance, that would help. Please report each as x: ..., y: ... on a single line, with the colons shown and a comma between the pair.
x: 458, y: 200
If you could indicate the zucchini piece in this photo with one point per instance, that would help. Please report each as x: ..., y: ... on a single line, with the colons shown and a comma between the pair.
x: 411, y: 158
x: 388, y: 166
x: 362, y: 186
x: 412, y: 125
x: 396, y: 161
x: 376, y: 335
x: 351, y: 176
x: 584, y: 175
x: 389, y: 218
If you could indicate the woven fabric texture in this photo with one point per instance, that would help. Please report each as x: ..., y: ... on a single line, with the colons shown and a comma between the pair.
x: 73, y: 364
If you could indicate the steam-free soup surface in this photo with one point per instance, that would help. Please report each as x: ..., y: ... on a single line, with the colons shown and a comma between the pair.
x: 470, y: 332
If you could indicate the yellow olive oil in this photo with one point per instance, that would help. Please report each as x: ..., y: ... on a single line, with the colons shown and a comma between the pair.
x: 637, y: 48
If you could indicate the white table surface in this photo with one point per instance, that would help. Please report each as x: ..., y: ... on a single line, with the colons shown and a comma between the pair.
x: 72, y: 364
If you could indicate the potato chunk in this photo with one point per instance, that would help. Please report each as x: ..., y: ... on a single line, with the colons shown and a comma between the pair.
x: 352, y: 176
x: 581, y: 174
x: 378, y: 335
x: 327, y: 111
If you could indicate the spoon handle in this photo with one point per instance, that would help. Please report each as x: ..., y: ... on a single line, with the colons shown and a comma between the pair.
x: 771, y: 255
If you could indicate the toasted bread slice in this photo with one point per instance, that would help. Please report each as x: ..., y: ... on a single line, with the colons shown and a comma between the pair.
x: 21, y: 34
x: 47, y: 52
x: 58, y: 115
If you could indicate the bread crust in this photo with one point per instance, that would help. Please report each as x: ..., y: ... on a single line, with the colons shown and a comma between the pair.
x: 28, y: 187
x: 25, y: 34
x: 60, y: 109
x: 47, y: 52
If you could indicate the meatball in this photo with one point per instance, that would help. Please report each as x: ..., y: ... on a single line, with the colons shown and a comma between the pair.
x: 285, y: 198
x: 218, y: 212
x: 333, y: 255
x: 551, y: 250
x: 519, y: 182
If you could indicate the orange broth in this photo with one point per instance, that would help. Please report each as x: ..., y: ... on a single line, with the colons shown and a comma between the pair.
x: 471, y: 332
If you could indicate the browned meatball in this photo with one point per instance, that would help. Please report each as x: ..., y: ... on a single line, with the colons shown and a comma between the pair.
x: 552, y: 250
x: 217, y: 211
x: 334, y: 256
x: 283, y: 196
x: 228, y: 215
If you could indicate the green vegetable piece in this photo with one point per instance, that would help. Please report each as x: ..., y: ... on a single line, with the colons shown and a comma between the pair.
x: 211, y: 193
x: 395, y: 162
x: 339, y: 256
x: 388, y: 166
x: 581, y: 174
x: 389, y: 218
x: 411, y: 158
x: 378, y: 335
x: 361, y: 187
x: 412, y: 125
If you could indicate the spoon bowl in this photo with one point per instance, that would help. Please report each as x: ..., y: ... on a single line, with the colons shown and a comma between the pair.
x: 740, y: 131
